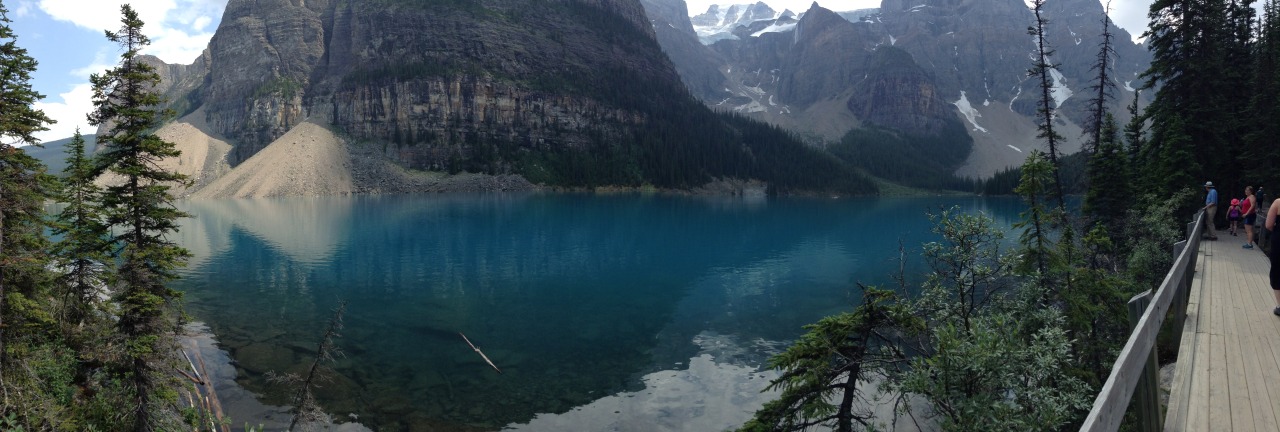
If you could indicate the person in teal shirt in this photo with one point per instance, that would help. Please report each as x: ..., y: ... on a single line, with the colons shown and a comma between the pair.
x: 1210, y: 209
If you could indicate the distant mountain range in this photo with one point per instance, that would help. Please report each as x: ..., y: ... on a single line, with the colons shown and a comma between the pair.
x: 329, y: 97
x: 913, y: 66
x: 719, y: 22
x: 368, y: 96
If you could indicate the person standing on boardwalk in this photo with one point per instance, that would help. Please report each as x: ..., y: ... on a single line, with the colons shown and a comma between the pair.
x: 1234, y: 216
x: 1210, y: 209
x: 1248, y: 207
x: 1275, y: 243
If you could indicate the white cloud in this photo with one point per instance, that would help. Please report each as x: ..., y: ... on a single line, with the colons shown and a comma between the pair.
x: 23, y: 10
x: 102, y: 60
x: 178, y: 28
x: 70, y: 113
x: 201, y: 22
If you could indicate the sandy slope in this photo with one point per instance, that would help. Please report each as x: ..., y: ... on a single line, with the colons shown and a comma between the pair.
x: 308, y: 160
x: 203, y: 158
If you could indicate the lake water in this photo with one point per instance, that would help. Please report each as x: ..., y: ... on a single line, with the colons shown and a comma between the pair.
x: 658, y: 311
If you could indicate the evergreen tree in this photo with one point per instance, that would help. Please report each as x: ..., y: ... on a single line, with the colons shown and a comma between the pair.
x: 821, y: 371
x: 1193, y: 134
x: 22, y: 189
x: 140, y: 205
x: 85, y: 248
x: 1107, y: 200
x: 1134, y: 134
x: 1041, y: 70
x: 1262, y: 136
x: 1103, y: 87
x: 1035, y: 239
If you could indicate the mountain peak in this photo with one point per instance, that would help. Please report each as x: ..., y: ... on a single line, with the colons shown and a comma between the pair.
x: 817, y: 20
x: 719, y: 22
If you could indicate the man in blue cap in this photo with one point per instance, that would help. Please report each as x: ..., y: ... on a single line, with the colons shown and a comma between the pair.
x: 1210, y: 208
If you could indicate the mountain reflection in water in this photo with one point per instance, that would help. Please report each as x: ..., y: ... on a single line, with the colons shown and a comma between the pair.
x: 575, y: 297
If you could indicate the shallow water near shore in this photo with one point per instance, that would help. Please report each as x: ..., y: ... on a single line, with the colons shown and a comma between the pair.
x: 586, y: 303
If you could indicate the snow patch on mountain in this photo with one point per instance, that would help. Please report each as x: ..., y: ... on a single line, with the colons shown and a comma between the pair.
x: 1060, y: 91
x: 969, y: 112
x: 776, y: 28
x: 1015, y: 148
x: 718, y: 22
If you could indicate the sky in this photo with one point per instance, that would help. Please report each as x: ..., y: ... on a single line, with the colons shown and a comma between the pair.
x: 66, y: 37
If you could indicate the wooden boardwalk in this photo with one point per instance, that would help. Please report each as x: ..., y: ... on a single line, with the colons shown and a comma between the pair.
x: 1228, y: 372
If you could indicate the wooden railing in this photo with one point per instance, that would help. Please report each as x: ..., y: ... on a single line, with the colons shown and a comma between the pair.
x: 1136, y: 370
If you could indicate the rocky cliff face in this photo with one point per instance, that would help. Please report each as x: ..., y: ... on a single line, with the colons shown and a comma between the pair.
x: 784, y: 67
x: 563, y: 92
x: 981, y: 47
x: 433, y: 78
x: 899, y: 94
x: 964, y: 60
x: 698, y: 65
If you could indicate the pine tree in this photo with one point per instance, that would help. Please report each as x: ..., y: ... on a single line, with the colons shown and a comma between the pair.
x: 85, y: 247
x: 1041, y: 70
x: 1262, y: 145
x: 1134, y: 134
x: 1036, y: 172
x: 1104, y: 86
x: 1193, y: 133
x: 821, y: 372
x: 1107, y: 200
x: 22, y: 188
x: 141, y: 206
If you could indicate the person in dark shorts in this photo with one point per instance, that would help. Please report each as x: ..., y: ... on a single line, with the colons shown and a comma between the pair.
x: 1249, y: 207
x: 1275, y: 245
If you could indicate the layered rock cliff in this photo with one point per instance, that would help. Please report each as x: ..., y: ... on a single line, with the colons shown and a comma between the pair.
x: 407, y: 73
x: 562, y: 92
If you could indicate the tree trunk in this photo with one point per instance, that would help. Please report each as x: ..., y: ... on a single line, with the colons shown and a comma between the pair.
x: 2, y: 265
x: 844, y: 416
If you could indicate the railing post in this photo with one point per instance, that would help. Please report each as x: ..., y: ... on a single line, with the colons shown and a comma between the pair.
x: 1147, y: 393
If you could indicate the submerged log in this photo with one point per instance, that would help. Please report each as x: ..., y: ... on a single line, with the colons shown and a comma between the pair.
x: 485, y: 357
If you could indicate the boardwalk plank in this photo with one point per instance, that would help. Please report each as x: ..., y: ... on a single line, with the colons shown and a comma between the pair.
x: 1238, y: 389
x: 1219, y: 402
x: 1180, y: 389
x: 1198, y: 394
x: 1228, y: 372
x: 1228, y: 375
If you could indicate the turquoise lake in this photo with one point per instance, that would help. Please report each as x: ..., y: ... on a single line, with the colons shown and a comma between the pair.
x: 581, y: 300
